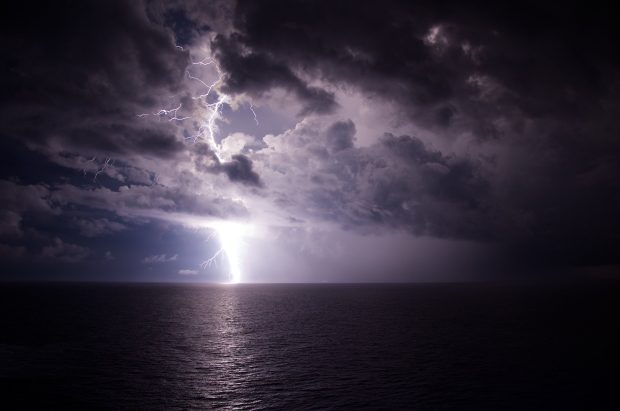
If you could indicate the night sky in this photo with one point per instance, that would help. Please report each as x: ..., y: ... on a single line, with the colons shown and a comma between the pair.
x: 351, y: 141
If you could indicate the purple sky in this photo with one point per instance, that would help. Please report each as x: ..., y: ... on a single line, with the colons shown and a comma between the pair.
x: 392, y: 141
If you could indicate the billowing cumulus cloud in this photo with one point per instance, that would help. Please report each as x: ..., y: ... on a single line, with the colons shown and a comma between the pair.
x: 524, y: 99
x: 397, y: 183
x: 406, y: 124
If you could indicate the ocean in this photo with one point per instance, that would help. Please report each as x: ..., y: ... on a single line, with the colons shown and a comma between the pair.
x: 366, y: 346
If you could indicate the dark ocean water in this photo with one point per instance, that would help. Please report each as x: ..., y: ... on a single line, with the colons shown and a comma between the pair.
x: 88, y: 346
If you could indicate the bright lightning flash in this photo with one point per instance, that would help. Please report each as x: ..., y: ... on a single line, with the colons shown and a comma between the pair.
x: 230, y: 236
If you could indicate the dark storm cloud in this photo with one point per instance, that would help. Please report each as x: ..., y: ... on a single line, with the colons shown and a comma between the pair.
x: 189, y: 19
x: 28, y: 212
x: 36, y: 220
x: 522, y: 98
x: 78, y: 73
x: 340, y: 135
x: 539, y: 80
x: 240, y: 169
x: 147, y: 200
x: 24, y: 199
x: 551, y: 60
x: 64, y: 252
x: 257, y: 73
x: 97, y: 227
x: 74, y: 77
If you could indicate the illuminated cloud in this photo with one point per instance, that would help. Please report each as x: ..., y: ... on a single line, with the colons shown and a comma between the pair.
x: 447, y: 123
x: 186, y: 271
x: 159, y: 258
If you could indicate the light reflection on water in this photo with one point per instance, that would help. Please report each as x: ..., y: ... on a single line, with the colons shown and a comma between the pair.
x: 299, y: 346
x: 217, y: 347
x: 230, y: 361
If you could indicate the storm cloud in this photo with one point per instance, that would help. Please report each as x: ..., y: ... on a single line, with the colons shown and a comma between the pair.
x: 534, y: 96
x: 494, y: 125
x: 76, y: 75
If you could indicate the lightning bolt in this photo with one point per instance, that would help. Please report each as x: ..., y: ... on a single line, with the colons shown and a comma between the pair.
x: 230, y: 235
x: 108, y: 162
x: 170, y: 115
x: 208, y: 127
x: 101, y: 169
x: 254, y: 112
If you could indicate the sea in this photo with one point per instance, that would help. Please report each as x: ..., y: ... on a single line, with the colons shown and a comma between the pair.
x: 309, y: 346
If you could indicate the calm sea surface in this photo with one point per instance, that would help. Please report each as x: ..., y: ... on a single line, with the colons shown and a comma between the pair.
x: 89, y: 346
